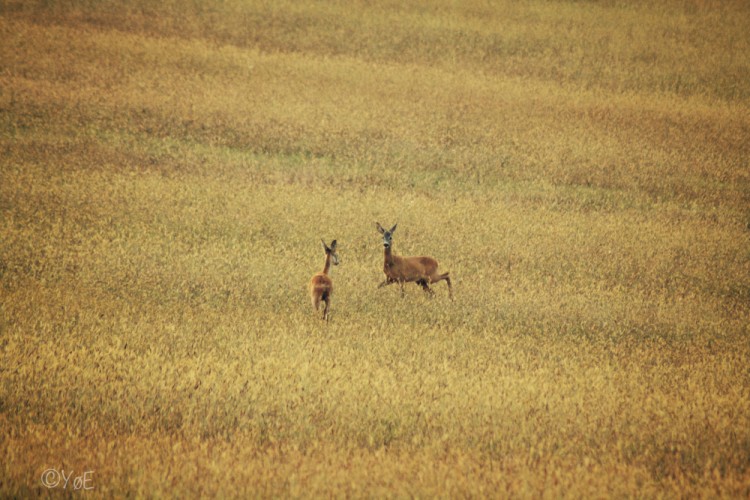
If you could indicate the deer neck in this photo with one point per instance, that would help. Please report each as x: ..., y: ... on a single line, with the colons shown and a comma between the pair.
x: 388, y: 256
x: 327, y: 265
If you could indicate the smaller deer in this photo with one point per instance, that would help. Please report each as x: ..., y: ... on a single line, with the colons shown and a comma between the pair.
x: 421, y: 270
x: 321, y: 285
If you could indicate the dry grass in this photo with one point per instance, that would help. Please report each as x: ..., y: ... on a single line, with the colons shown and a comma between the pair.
x: 581, y: 169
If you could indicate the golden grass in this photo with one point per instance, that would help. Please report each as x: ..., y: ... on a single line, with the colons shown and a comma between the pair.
x: 581, y: 169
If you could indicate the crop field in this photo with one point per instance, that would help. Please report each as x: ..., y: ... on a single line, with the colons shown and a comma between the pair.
x: 169, y: 168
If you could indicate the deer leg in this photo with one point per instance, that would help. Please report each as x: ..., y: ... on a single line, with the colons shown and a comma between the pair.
x: 450, y: 288
x: 440, y: 277
x: 325, y: 309
x: 426, y: 287
x: 388, y: 281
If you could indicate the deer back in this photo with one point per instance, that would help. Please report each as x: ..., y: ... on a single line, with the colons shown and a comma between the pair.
x: 410, y: 268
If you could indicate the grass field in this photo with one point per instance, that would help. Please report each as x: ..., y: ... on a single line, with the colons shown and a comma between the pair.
x: 168, y: 169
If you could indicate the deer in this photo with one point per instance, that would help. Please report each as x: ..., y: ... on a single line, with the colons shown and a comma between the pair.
x: 421, y: 270
x: 321, y: 285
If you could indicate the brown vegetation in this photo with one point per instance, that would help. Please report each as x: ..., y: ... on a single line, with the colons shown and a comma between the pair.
x: 582, y: 167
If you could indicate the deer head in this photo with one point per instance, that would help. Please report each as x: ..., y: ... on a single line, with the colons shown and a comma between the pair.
x: 387, y: 235
x: 331, y: 251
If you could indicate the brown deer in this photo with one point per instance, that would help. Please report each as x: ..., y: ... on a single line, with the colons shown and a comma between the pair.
x: 321, y: 285
x: 421, y: 270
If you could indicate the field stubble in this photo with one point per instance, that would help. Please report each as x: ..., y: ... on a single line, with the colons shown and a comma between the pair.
x: 164, y: 192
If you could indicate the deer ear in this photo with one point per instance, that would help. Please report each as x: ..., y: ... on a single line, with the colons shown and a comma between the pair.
x: 325, y: 247
x: 393, y: 229
x: 380, y: 228
x: 333, y: 245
